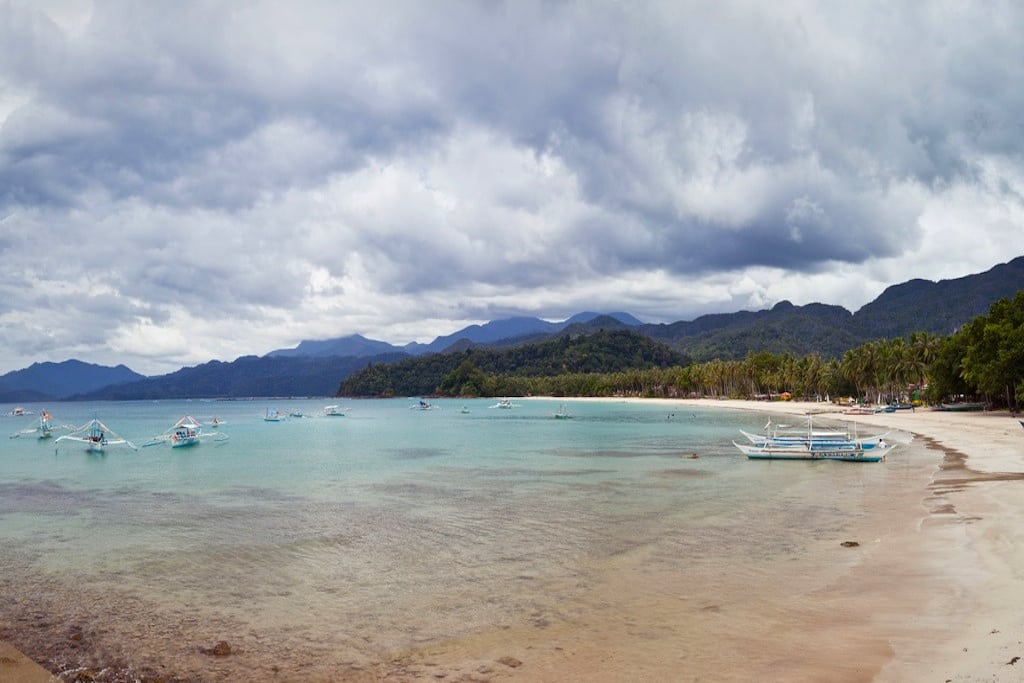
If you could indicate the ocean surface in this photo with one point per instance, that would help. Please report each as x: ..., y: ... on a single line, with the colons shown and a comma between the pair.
x: 318, y: 545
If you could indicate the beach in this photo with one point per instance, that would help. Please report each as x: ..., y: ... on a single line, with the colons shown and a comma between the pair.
x: 928, y: 591
x: 933, y: 597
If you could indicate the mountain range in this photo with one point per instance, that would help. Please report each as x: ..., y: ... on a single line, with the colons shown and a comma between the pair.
x: 314, y: 368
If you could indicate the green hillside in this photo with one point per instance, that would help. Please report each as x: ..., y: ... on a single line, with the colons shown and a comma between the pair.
x: 473, y: 371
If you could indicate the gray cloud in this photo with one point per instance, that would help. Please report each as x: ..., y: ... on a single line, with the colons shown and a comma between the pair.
x: 318, y: 169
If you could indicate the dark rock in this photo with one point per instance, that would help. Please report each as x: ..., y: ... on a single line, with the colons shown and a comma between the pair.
x: 221, y: 649
x: 849, y: 544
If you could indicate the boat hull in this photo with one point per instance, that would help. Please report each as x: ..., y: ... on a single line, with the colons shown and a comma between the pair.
x: 803, y: 452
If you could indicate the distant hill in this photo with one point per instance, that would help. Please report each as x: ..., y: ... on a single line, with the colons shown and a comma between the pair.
x: 54, y: 381
x: 352, y: 345
x: 785, y: 328
x: 244, y: 377
x: 315, y: 368
x: 496, y: 331
x: 601, y: 351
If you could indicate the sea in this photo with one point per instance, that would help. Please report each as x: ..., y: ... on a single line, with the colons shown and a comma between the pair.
x: 344, y: 547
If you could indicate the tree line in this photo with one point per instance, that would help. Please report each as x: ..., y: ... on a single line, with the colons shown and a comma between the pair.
x: 984, y: 360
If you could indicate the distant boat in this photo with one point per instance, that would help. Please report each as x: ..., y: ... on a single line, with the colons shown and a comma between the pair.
x: 465, y: 410
x: 562, y: 413
x: 423, y: 405
x: 273, y: 416
x: 96, y: 436
x: 960, y: 407
x: 184, y: 433
x: 334, y: 411
x: 504, y: 403
x: 862, y: 410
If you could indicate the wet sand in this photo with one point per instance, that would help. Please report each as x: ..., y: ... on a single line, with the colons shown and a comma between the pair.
x: 17, y: 668
x: 930, y: 593
x: 933, y: 596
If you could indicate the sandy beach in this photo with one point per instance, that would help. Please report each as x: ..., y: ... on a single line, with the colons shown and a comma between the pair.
x: 934, y: 598
x: 932, y: 594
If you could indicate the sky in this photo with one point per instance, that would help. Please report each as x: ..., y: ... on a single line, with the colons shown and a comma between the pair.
x: 188, y: 181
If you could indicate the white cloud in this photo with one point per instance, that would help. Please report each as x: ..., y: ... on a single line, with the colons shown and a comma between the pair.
x: 212, y: 179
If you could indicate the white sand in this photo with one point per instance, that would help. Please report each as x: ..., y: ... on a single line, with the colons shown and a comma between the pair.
x: 981, y: 540
x: 969, y: 543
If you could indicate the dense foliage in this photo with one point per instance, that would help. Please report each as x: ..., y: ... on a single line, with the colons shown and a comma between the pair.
x: 985, y: 359
x: 986, y: 356
x: 500, y: 372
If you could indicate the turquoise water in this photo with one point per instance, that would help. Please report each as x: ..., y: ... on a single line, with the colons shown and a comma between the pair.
x: 341, y: 539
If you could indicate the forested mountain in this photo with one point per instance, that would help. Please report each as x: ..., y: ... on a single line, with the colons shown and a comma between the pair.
x: 52, y: 381
x: 938, y: 307
x: 463, y: 372
x: 800, y: 330
x: 352, y: 345
x: 316, y: 367
x: 505, y: 331
x: 246, y: 376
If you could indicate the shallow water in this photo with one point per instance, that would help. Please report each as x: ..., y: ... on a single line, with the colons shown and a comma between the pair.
x: 323, y: 545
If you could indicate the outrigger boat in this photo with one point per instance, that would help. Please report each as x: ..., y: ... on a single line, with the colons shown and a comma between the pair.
x: 812, y: 444
x: 846, y: 453
x: 273, y: 416
x: 334, y: 411
x: 562, y: 413
x: 186, y: 432
x: 44, y: 430
x: 812, y: 437
x: 96, y: 436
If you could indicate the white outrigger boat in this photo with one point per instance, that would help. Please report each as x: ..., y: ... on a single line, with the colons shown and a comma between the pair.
x: 805, y: 451
x: 334, y: 411
x: 44, y: 430
x: 186, y: 432
x: 96, y: 436
x: 781, y: 435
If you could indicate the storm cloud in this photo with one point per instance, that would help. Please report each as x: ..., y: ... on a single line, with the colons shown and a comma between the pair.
x: 181, y: 181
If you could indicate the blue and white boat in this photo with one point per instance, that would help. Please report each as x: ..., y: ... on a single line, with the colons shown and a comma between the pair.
x: 97, y: 437
x: 186, y: 432
x: 803, y: 451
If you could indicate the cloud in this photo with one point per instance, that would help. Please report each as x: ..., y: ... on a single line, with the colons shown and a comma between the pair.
x: 212, y: 179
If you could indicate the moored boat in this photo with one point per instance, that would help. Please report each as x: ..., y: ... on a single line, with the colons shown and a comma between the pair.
x: 44, y: 430
x: 96, y: 436
x: 843, y: 453
x: 186, y: 432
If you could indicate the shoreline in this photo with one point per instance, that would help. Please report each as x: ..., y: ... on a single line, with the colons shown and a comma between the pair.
x: 976, y: 510
x: 966, y: 548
